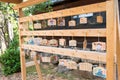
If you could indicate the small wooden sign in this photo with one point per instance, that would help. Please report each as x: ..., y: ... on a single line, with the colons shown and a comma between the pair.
x: 46, y: 59
x: 37, y: 41
x: 99, y: 19
x: 25, y: 26
x: 51, y: 22
x: 62, y: 42
x: 85, y: 67
x: 44, y: 24
x: 63, y: 62
x: 101, y: 46
x: 44, y: 42
x: 37, y: 26
x: 53, y: 42
x: 71, y: 64
x: 73, y: 43
x: 99, y: 72
x: 72, y: 23
x: 61, y: 21
x: 83, y: 20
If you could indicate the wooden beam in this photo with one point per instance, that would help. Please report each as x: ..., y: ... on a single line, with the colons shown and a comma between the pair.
x: 68, y: 12
x: 22, y: 54
x: 118, y: 38
x: 91, y: 55
x: 37, y: 68
x: 28, y: 3
x: 111, y: 41
x: 75, y: 32
x: 12, y: 1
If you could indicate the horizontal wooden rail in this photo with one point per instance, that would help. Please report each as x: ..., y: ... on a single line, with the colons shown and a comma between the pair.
x: 91, y: 55
x: 98, y: 7
x: 74, y: 32
x: 28, y: 3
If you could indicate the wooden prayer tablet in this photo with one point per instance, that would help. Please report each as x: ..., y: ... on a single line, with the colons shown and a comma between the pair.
x: 84, y: 44
x: 31, y: 41
x: 44, y: 42
x: 37, y: 41
x: 99, y: 19
x: 26, y: 39
x: 101, y: 46
x: 62, y: 42
x: 37, y: 26
x: 73, y: 43
x: 53, y: 42
x: 46, y: 59
x: 83, y: 20
x: 85, y: 67
x: 51, y: 22
x: 44, y: 24
x: 61, y: 21
x: 71, y: 64
x: 72, y: 23
x: 99, y: 72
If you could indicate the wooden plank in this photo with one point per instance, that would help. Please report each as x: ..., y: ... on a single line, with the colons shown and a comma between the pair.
x: 118, y: 38
x: 31, y: 63
x: 12, y: 1
x: 37, y: 67
x: 28, y: 3
x: 22, y: 54
x: 74, y: 32
x: 91, y: 55
x: 111, y: 41
x: 98, y: 7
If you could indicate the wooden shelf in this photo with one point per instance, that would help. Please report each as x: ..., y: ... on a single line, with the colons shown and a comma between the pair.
x: 91, y: 55
x: 99, y: 7
x: 74, y: 32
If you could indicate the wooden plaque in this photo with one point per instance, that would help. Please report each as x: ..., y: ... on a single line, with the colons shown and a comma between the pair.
x: 37, y: 41
x: 46, y: 59
x: 53, y: 42
x: 51, y: 22
x: 62, y: 42
x: 73, y: 43
x: 99, y: 19
x: 44, y: 42
x: 37, y: 26
x: 71, y: 64
x: 99, y: 71
x: 61, y: 21
x: 85, y: 67
x: 101, y: 46
x: 72, y: 23
x: 83, y: 20
x: 84, y: 44
x: 44, y: 24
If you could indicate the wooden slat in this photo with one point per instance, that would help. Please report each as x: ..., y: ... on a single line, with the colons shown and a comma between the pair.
x: 91, y: 55
x: 37, y: 68
x: 12, y: 1
x: 31, y: 63
x: 98, y: 7
x: 74, y: 32
x: 111, y: 41
x: 22, y: 54
x: 28, y: 3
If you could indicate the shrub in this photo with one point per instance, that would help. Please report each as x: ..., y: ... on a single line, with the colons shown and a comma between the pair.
x: 10, y: 59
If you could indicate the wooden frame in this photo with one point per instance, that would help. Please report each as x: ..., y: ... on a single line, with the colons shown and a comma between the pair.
x: 12, y: 1
x: 110, y: 32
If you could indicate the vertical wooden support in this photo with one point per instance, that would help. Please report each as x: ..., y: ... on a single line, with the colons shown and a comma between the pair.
x: 22, y: 54
x: 37, y: 68
x: 118, y: 39
x: 111, y: 41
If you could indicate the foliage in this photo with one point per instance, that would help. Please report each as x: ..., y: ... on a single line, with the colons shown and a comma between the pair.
x: 10, y: 59
x: 39, y: 8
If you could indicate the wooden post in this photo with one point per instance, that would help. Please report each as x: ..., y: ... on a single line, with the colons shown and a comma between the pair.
x: 37, y: 68
x: 111, y: 41
x: 118, y: 39
x: 22, y: 54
